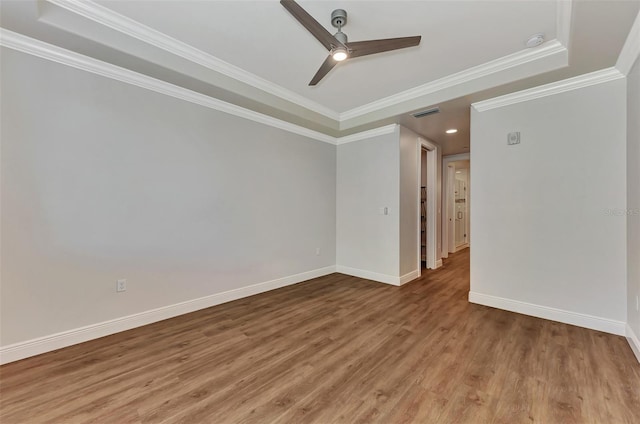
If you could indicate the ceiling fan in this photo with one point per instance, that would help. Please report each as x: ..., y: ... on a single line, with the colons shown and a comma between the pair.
x: 339, y: 48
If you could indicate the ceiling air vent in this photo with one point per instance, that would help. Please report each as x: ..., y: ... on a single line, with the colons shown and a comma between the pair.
x: 427, y: 112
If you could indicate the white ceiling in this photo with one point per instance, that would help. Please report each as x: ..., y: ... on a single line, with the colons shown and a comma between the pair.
x: 256, y: 55
x: 264, y: 39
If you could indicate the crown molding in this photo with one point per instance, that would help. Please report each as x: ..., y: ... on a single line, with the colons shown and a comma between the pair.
x: 31, y: 46
x: 387, y: 129
x: 510, y: 61
x: 107, y: 17
x: 631, y: 49
x: 559, y: 45
x: 458, y: 156
x: 580, y: 81
x: 56, y: 54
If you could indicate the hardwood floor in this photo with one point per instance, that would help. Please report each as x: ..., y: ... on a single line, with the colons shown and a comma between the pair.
x: 336, y: 349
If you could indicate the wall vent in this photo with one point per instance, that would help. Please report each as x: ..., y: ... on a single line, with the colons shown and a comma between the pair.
x: 426, y: 112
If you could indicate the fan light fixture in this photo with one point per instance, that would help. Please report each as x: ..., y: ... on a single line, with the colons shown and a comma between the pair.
x: 339, y: 54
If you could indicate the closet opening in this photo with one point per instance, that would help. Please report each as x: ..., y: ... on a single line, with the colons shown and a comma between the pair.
x: 427, y: 211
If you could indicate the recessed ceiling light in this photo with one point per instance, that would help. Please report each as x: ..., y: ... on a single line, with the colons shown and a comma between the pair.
x: 535, y: 40
x: 451, y: 131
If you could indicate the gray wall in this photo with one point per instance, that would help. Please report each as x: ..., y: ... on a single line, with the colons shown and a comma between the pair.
x: 368, y: 179
x: 633, y: 197
x: 102, y: 180
x: 409, y: 199
x: 544, y: 228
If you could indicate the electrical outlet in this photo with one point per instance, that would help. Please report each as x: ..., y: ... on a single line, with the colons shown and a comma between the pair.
x: 317, y: 251
x: 121, y: 285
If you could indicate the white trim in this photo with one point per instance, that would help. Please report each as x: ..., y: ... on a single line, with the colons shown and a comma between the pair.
x: 139, y: 31
x: 563, y: 22
x: 432, y: 215
x: 453, y: 158
x: 507, y: 62
x: 580, y: 81
x: 553, y: 314
x: 44, y: 344
x: 31, y: 46
x: 419, y: 208
x: 56, y: 54
x: 111, y: 19
x: 438, y: 264
x: 448, y: 194
x: 634, y: 342
x: 368, y: 275
x: 631, y: 49
x: 387, y: 129
x: 410, y: 276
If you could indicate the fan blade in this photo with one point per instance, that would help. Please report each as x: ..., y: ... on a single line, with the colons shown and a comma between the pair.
x: 326, y: 66
x: 363, y: 48
x: 317, y: 30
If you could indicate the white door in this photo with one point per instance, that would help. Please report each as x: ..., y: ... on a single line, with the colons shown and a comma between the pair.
x: 450, y: 209
x: 460, y: 210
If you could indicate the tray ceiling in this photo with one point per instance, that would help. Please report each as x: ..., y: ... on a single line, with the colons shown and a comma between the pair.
x: 253, y: 55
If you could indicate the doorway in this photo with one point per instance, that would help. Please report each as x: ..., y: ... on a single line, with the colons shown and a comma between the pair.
x: 423, y: 207
x: 456, y: 226
x: 427, y: 205
x: 461, y: 214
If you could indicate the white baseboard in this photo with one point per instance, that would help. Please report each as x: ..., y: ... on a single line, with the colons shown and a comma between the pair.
x: 368, y: 275
x: 553, y: 314
x: 410, y: 276
x: 44, y: 344
x: 461, y: 247
x: 438, y: 264
x: 634, y: 342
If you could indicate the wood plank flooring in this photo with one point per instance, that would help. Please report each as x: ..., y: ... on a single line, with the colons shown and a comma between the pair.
x: 336, y: 349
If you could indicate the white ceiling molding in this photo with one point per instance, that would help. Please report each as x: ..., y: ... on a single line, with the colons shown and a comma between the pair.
x: 504, y: 63
x: 387, y: 129
x: 581, y: 81
x: 56, y: 54
x: 631, y: 49
x: 459, y: 156
x: 135, y: 29
x: 563, y: 22
x: 31, y: 46
x: 105, y: 16
x: 559, y: 45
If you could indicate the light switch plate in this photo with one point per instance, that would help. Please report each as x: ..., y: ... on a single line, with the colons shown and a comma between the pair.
x: 121, y: 285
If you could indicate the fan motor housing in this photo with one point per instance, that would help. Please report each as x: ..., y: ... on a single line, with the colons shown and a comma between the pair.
x: 339, y: 18
x: 341, y: 37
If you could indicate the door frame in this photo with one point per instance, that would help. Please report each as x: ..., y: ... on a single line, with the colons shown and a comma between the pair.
x: 432, y: 173
x: 449, y: 233
x: 448, y: 243
x: 465, y: 243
